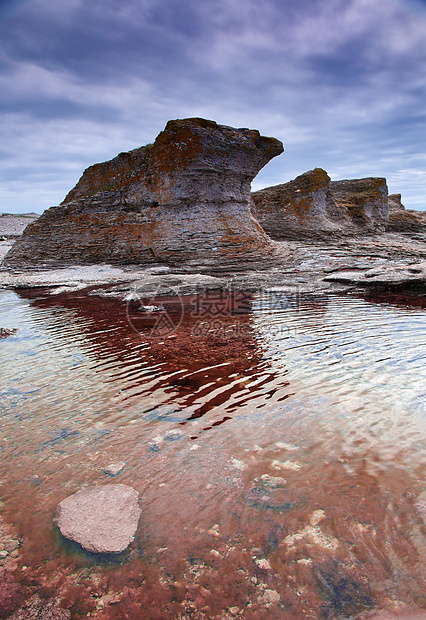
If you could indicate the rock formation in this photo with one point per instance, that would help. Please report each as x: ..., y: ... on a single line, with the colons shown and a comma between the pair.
x: 300, y: 208
x: 187, y: 196
x: 402, y: 219
x: 102, y: 519
x: 366, y: 201
x: 314, y: 206
x: 390, y: 277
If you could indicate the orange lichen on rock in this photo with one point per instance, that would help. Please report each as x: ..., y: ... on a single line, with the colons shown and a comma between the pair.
x: 366, y: 201
x: 176, y: 147
x: 402, y: 219
x: 314, y: 206
x: 124, y: 169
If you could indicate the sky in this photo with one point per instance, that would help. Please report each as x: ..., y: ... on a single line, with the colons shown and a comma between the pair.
x: 342, y: 83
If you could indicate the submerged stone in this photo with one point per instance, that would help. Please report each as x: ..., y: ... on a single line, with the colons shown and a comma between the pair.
x: 6, y: 332
x: 11, y: 594
x: 345, y: 592
x: 186, y: 197
x: 102, y: 519
x: 264, y: 498
x: 113, y: 469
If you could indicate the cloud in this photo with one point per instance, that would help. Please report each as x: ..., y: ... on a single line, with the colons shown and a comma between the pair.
x: 341, y: 82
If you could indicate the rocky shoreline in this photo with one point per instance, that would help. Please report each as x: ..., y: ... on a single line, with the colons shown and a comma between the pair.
x: 393, y: 260
x: 178, y: 216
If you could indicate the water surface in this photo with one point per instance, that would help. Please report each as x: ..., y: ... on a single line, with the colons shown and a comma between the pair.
x: 276, y: 440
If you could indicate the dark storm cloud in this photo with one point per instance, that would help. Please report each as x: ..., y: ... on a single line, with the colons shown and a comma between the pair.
x: 100, y: 40
x: 341, y: 82
x: 8, y: 7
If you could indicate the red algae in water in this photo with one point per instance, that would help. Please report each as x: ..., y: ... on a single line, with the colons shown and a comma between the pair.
x: 258, y: 517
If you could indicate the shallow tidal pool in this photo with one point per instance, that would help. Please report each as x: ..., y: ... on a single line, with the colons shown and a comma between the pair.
x: 276, y: 441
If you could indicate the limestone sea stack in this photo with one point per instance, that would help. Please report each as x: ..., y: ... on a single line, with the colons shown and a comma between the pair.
x: 184, y: 197
x: 314, y: 206
x: 301, y: 208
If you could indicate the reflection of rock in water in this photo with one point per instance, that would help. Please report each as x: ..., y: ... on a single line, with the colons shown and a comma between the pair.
x: 210, y: 342
x: 211, y: 328
x: 199, y: 331
x: 392, y: 298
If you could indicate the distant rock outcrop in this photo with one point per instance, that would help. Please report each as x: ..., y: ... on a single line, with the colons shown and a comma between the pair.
x: 300, y: 208
x: 187, y: 196
x: 366, y: 201
x: 402, y: 219
x: 12, y: 225
x: 314, y: 206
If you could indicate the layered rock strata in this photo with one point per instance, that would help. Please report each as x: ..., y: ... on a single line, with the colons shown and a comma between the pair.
x: 300, y: 208
x: 314, y: 206
x: 392, y: 276
x: 185, y: 197
x: 402, y: 219
x: 365, y: 200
